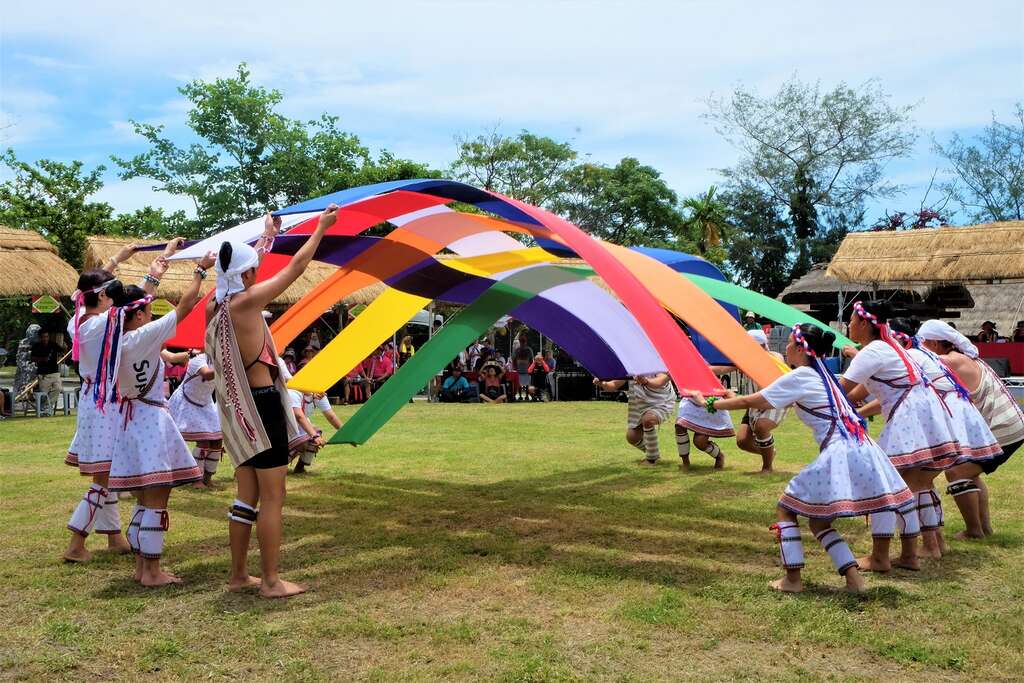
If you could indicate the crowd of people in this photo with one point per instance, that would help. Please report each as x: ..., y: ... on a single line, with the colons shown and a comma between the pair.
x: 481, y: 372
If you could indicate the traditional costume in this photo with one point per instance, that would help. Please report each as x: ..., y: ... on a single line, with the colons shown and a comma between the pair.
x: 700, y: 421
x: 648, y: 399
x: 851, y: 475
x: 195, y: 413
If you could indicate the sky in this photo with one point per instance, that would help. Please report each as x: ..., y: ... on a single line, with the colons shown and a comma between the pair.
x: 616, y: 78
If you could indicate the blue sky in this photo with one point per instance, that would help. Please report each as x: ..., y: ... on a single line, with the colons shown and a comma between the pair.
x: 618, y: 78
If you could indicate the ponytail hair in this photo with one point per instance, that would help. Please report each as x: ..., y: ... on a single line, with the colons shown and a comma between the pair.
x: 817, y: 342
x: 878, y: 313
x: 224, y: 256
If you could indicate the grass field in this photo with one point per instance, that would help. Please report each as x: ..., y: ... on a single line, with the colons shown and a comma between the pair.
x: 516, y: 543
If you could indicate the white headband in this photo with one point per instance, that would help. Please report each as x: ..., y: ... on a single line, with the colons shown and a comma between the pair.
x: 243, y: 259
x: 936, y: 330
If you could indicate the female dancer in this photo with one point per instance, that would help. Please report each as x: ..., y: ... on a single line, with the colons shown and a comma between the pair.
x: 195, y: 413
x: 704, y: 426
x: 754, y: 434
x: 918, y: 435
x: 650, y: 403
x: 150, y: 457
x: 851, y: 475
x: 92, y: 447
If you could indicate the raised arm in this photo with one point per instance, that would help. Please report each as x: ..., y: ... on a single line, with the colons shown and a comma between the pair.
x: 151, y: 280
x: 190, y: 297
x: 610, y: 385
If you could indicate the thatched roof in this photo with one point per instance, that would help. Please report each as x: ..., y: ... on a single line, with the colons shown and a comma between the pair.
x: 818, y: 284
x: 978, y: 253
x: 100, y: 248
x: 30, y: 266
x: 1002, y: 304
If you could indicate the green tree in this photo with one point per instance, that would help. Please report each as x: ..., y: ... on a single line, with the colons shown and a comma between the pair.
x: 250, y: 158
x: 758, y: 246
x: 988, y: 176
x: 811, y: 151
x: 52, y: 198
x: 150, y: 223
x: 705, y: 220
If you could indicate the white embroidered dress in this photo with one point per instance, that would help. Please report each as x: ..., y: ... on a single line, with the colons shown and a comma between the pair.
x: 92, y: 448
x: 192, y: 405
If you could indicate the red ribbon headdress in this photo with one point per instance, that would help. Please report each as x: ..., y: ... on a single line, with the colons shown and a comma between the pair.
x: 887, y: 336
x: 105, y: 384
x: 851, y: 424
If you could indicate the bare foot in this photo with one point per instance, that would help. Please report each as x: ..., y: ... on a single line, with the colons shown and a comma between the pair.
x: 160, y: 578
x: 765, y: 471
x: 987, y: 530
x: 786, y: 586
x: 685, y: 465
x: 281, y: 589
x: 930, y: 553
x: 869, y: 563
x: 77, y: 555
x: 645, y: 461
x: 720, y: 462
x: 119, y: 544
x: 200, y: 485
x: 909, y: 563
x: 239, y: 585
x: 855, y: 582
x: 966, y: 535
x: 299, y: 468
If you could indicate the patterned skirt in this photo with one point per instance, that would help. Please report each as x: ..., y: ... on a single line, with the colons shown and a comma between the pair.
x: 920, y: 434
x: 92, y: 447
x: 977, y: 442
x: 700, y: 421
x: 776, y: 415
x: 847, y: 479
x: 150, y: 451
x: 196, y: 423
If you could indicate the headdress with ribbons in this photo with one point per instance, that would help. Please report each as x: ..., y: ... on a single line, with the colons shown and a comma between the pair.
x: 915, y: 342
x: 887, y: 336
x: 229, y: 279
x: 105, y: 384
x: 851, y: 424
x: 78, y: 298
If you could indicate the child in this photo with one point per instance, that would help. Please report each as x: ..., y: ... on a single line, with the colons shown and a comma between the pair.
x: 538, y: 371
x: 651, y: 399
x: 195, y: 413
x: 704, y: 426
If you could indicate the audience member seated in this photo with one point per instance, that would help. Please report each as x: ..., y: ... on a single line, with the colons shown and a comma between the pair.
x: 538, y: 371
x: 308, y: 354
x: 492, y: 389
x: 455, y: 388
x: 988, y: 332
x: 379, y: 368
x: 356, y: 389
x: 1018, y: 332
x: 289, y: 360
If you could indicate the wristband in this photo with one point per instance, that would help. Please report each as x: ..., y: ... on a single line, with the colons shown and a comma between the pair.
x: 709, y: 404
x: 201, y: 272
x: 151, y: 279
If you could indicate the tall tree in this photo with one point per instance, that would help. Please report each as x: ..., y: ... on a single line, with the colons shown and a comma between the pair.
x: 705, y: 220
x: 759, y: 245
x: 988, y: 175
x: 810, y: 151
x: 250, y: 158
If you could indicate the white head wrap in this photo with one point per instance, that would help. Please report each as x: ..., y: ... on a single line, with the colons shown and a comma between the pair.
x: 759, y: 336
x: 936, y: 330
x: 229, y: 280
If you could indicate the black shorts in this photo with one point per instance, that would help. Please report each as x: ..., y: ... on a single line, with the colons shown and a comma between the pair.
x: 990, y: 466
x: 271, y: 412
x: 493, y: 392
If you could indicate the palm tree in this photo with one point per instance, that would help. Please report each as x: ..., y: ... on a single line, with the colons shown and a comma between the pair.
x: 705, y: 220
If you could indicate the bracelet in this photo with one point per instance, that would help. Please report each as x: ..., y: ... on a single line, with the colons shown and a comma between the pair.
x: 155, y: 281
x: 709, y: 404
x: 201, y: 272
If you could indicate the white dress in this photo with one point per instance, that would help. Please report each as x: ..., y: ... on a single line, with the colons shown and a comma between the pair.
x: 92, y: 447
x: 192, y: 405
x: 918, y: 431
x: 848, y: 478
x: 977, y: 442
x: 149, y: 449
x: 643, y: 399
x: 698, y: 420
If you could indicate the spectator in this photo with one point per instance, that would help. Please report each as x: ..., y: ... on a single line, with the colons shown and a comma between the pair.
x: 549, y: 358
x: 474, y: 352
x: 491, y: 388
x: 522, y: 357
x: 308, y: 354
x: 355, y: 384
x: 46, y: 355
x: 406, y: 350
x: 750, y: 321
x: 455, y: 388
x: 380, y: 367
x: 538, y: 371
x: 511, y: 377
x: 988, y: 332
x: 1018, y: 332
x: 289, y: 360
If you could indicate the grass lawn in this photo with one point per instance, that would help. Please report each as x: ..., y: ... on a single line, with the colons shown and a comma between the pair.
x: 515, y: 543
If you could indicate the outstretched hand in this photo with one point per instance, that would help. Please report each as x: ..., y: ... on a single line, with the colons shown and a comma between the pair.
x: 695, y: 397
x: 849, y: 351
x: 207, y: 261
x: 173, y: 246
x: 328, y: 217
x: 125, y: 253
x: 271, y: 225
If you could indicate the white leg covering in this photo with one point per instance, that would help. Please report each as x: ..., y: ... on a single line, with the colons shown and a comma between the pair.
x: 212, y: 460
x: 908, y: 519
x: 651, y: 444
x: 683, y: 443
x: 928, y: 507
x: 883, y: 524
x: 133, y: 527
x: 200, y: 455
x: 791, y: 547
x: 837, y: 550
x: 108, y: 520
x: 151, y: 533
x: 308, y: 456
x: 88, y: 509
x: 713, y: 449
x: 242, y: 513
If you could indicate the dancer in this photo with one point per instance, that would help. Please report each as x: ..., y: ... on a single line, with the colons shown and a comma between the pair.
x: 918, y: 436
x: 651, y: 399
x: 754, y: 434
x: 704, y: 426
x: 255, y: 410
x: 996, y: 405
x: 92, y: 447
x: 851, y: 475
x: 310, y: 439
x: 195, y: 413
x: 150, y: 457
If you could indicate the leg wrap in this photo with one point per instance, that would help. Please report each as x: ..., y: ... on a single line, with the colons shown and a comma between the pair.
x: 683, y: 443
x: 962, y: 486
x: 791, y: 548
x: 929, y: 509
x: 883, y: 524
x: 651, y: 444
x: 713, y: 450
x: 837, y: 550
x: 767, y: 442
x: 242, y: 513
x: 88, y: 509
x: 908, y: 519
x: 308, y: 456
x: 134, y: 522
x: 199, y: 454
x: 108, y: 520
x: 212, y: 460
x: 151, y: 533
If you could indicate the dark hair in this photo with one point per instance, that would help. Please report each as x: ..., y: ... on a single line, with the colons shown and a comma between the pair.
x: 908, y: 326
x: 819, y: 340
x: 225, y: 255
x: 122, y: 296
x: 91, y: 279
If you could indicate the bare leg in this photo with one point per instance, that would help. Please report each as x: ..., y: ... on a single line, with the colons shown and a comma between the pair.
x: 765, y: 443
x: 268, y: 529
x: 791, y: 583
x: 745, y: 439
x: 983, y: 507
x: 963, y: 479
x: 239, y: 533
x: 704, y: 443
x: 204, y: 482
x: 683, y: 447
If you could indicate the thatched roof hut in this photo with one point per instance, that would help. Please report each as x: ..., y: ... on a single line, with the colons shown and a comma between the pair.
x: 100, y: 248
x: 1003, y: 304
x: 30, y: 266
x: 990, y: 252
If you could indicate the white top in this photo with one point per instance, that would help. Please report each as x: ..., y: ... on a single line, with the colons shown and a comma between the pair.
x: 804, y: 386
x: 877, y: 359
x: 306, y: 402
x: 197, y: 390
x: 935, y: 374
x: 90, y: 342
x: 141, y: 361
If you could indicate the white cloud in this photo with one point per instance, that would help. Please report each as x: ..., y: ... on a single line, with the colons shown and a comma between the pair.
x: 128, y: 195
